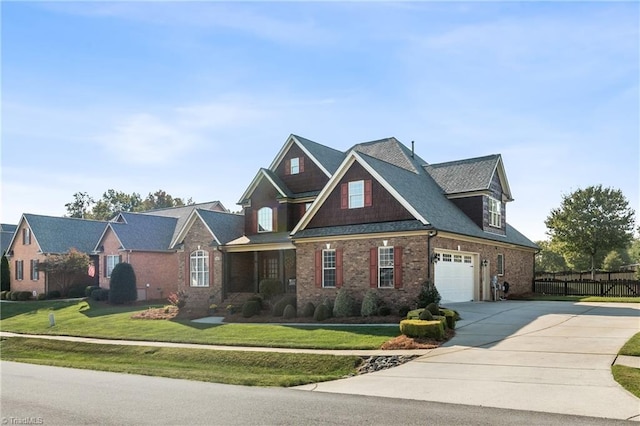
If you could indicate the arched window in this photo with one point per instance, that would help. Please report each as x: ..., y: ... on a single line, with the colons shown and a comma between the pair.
x: 199, y: 261
x: 265, y: 219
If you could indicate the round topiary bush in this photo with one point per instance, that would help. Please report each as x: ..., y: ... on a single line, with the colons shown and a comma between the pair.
x: 321, y: 313
x: 257, y: 298
x: 343, y: 306
x: 250, y: 308
x: 308, y: 310
x: 289, y: 312
x: 278, y: 307
x: 369, y: 304
x: 426, y: 315
x: 269, y: 288
x: 122, y: 285
x: 384, y: 311
x: 433, y: 308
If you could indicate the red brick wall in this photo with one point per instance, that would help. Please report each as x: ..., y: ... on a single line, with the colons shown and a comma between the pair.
x: 26, y: 253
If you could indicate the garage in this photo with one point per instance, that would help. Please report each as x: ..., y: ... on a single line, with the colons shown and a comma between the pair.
x: 454, y: 277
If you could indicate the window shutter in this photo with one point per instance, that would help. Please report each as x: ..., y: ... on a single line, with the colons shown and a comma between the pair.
x: 104, y: 273
x: 344, y: 196
x: 274, y: 218
x: 187, y: 269
x: 368, y: 198
x: 339, y: 274
x: 120, y: 259
x: 287, y: 167
x: 373, y: 267
x: 211, y: 276
x: 301, y: 164
x: 397, y: 267
x: 318, y: 270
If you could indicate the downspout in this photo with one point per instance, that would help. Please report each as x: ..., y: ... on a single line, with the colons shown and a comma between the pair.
x: 432, y: 233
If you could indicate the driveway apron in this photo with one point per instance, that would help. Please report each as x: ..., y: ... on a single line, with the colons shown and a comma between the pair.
x: 550, y: 357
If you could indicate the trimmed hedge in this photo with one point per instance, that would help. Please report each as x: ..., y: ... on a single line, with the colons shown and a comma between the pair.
x: 343, y: 306
x: 369, y: 304
x: 250, y: 308
x: 418, y: 328
x: 321, y: 313
x: 280, y: 305
x: 100, y: 294
x: 426, y: 315
x: 289, y: 312
x: 122, y: 284
x: 450, y: 316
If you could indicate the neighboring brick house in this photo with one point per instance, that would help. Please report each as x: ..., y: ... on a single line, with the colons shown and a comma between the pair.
x: 36, y: 237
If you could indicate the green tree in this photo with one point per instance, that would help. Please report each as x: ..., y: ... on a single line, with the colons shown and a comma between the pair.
x: 161, y: 200
x: 80, y: 206
x: 613, y: 261
x: 114, y: 202
x: 63, y: 269
x: 122, y: 284
x: 592, y: 222
x: 549, y: 259
x: 5, y: 278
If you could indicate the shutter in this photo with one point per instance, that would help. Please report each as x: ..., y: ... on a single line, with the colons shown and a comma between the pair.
x: 274, y: 217
x: 368, y: 198
x: 344, y: 196
x: 397, y: 267
x: 105, y: 267
x: 318, y: 270
x: 287, y: 167
x: 301, y: 164
x: 211, y: 260
x: 339, y: 274
x: 373, y: 267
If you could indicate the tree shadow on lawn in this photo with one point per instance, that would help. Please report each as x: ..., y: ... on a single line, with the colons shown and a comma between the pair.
x: 31, y: 307
x: 94, y: 309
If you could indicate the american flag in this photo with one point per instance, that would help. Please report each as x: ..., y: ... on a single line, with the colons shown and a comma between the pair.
x: 92, y: 270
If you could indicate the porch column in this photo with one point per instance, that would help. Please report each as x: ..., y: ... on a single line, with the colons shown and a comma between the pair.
x: 256, y: 276
x: 281, y: 269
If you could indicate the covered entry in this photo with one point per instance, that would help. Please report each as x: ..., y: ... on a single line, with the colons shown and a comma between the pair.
x: 455, y: 276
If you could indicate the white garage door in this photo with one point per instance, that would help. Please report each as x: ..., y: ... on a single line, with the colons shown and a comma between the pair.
x: 454, y: 277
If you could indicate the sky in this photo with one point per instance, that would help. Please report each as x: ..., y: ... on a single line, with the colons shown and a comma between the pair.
x: 194, y: 97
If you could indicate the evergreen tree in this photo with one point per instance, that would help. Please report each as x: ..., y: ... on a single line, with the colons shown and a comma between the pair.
x: 122, y: 284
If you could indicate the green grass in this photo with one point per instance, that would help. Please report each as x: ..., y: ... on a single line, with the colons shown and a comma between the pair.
x: 93, y: 319
x: 632, y: 347
x: 546, y: 297
x: 628, y: 377
x: 232, y: 367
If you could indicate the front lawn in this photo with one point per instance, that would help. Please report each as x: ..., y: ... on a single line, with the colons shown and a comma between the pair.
x: 96, y: 319
x: 231, y: 367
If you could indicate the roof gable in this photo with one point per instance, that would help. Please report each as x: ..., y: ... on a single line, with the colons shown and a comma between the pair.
x: 272, y: 178
x: 143, y: 232
x: 223, y: 227
x: 327, y: 159
x: 390, y: 150
x: 60, y: 234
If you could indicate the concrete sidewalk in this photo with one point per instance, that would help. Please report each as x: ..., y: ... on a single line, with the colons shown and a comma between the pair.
x: 550, y: 357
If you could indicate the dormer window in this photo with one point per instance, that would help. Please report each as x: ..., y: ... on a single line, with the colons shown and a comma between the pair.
x: 495, y: 213
x: 265, y: 220
x: 295, y: 166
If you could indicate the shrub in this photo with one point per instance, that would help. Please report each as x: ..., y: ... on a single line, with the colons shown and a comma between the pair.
x: 384, y: 310
x: 122, y: 284
x: 329, y: 304
x: 321, y: 313
x: 426, y: 315
x: 178, y: 299
x: 3, y: 294
x: 433, y: 308
x: 13, y: 296
x: 23, y: 295
x: 100, y: 294
x: 308, y: 310
x: 77, y: 291
x: 5, y: 274
x: 289, y: 312
x: 369, y: 304
x: 250, y: 308
x: 257, y: 298
x: 54, y: 294
x: 428, y: 294
x: 280, y: 305
x: 418, y: 328
x: 343, y: 306
x: 89, y: 289
x: 403, y: 310
x: 42, y: 296
x: 269, y: 288
x: 450, y: 316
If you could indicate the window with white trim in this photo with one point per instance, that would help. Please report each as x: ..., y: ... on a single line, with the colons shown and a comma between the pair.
x: 500, y: 264
x: 495, y: 214
x: 329, y: 268
x: 112, y: 261
x: 294, y: 166
x: 265, y: 219
x: 356, y: 194
x: 385, y: 267
x: 199, y: 266
x: 34, y: 270
x: 26, y: 236
x: 19, y: 270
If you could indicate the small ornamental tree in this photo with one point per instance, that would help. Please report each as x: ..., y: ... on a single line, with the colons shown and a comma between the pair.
x: 122, y: 285
x: 64, y: 269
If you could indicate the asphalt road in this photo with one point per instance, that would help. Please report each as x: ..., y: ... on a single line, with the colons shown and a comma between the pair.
x: 34, y: 394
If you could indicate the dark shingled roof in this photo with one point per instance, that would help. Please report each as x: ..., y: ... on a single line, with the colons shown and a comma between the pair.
x: 393, y: 152
x: 329, y: 158
x: 145, y: 232
x: 6, y: 235
x: 473, y: 174
x: 225, y: 226
x: 60, y: 234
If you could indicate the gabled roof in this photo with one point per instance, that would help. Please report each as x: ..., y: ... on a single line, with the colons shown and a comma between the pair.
x: 327, y: 159
x: 408, y: 182
x: 60, y: 234
x: 393, y: 152
x: 224, y: 227
x: 142, y: 232
x: 6, y: 235
x: 271, y: 177
x: 470, y: 175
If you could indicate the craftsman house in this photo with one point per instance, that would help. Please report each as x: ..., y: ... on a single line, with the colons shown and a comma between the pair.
x: 377, y: 217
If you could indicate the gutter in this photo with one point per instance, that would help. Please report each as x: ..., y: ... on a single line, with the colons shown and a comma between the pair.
x: 432, y: 233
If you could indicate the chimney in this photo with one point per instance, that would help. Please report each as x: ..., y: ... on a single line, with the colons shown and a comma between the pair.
x: 413, y: 145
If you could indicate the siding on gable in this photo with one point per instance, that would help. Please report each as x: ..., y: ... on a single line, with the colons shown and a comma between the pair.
x: 264, y: 196
x: 312, y: 179
x: 495, y: 189
x: 384, y: 208
x: 472, y: 207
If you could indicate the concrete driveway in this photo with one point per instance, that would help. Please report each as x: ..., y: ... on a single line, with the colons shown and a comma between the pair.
x: 551, y: 357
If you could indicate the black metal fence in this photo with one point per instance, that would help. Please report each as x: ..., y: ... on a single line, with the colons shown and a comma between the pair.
x: 610, y: 288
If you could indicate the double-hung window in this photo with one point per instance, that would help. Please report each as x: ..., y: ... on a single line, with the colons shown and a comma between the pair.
x: 199, y: 267
x: 356, y: 194
x: 295, y: 166
x: 329, y: 268
x: 19, y: 270
x: 34, y: 270
x: 385, y: 267
x: 495, y: 214
x: 112, y: 261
